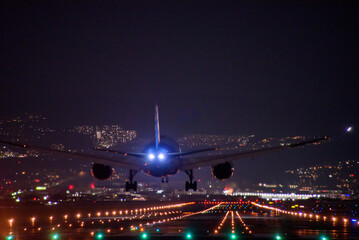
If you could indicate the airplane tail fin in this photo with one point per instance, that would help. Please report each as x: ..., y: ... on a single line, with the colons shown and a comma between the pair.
x: 157, y: 126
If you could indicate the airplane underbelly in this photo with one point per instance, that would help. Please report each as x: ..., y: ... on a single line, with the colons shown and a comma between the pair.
x: 162, y: 170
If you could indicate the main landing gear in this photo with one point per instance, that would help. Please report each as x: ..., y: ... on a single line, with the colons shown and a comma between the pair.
x: 191, y: 184
x: 164, y: 179
x: 131, y: 185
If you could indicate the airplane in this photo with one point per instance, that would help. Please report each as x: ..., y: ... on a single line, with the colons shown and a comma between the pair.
x: 163, y: 158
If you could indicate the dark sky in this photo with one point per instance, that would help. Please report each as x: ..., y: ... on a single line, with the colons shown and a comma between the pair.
x: 269, y: 68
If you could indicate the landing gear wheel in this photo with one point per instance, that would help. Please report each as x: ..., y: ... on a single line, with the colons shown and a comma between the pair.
x: 135, y: 186
x: 191, y: 184
x: 131, y: 185
x: 187, y: 186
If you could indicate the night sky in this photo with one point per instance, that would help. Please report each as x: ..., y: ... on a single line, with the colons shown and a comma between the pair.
x: 269, y: 68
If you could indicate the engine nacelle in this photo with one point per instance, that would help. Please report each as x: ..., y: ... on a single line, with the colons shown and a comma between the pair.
x: 222, y: 171
x: 101, y: 171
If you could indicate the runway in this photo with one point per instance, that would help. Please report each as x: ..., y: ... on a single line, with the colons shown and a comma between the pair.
x: 164, y: 220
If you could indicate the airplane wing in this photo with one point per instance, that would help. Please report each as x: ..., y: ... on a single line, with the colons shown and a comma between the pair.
x: 180, y: 154
x: 132, y: 154
x: 196, y: 162
x: 120, y: 163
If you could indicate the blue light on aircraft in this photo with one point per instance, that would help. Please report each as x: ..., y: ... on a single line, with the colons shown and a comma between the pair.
x: 151, y: 156
x: 55, y: 236
x: 161, y: 156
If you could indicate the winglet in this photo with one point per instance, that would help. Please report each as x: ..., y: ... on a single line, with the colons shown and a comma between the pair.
x: 157, y: 126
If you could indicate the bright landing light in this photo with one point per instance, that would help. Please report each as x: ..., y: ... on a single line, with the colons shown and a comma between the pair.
x: 151, y: 156
x: 161, y: 156
x: 349, y: 129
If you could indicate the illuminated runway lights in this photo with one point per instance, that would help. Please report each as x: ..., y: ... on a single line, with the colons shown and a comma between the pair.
x: 55, y: 236
x: 221, y: 224
x: 100, y: 236
x: 300, y: 214
x: 246, y: 228
x: 144, y: 236
x: 188, y: 236
x: 9, y: 237
x: 68, y: 217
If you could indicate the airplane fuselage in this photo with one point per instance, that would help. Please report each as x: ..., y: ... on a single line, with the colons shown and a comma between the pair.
x: 159, y: 162
x: 162, y: 169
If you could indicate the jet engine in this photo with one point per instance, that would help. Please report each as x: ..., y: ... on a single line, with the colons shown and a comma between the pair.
x: 222, y: 171
x: 101, y: 171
